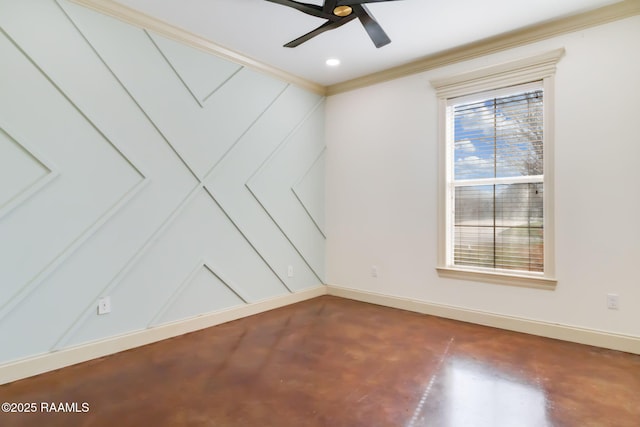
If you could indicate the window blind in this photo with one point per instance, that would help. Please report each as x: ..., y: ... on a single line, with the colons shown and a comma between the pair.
x: 498, y: 181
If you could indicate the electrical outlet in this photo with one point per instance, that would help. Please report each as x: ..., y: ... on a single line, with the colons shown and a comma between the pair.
x: 104, y: 305
x: 613, y: 302
x: 290, y: 271
x: 374, y: 271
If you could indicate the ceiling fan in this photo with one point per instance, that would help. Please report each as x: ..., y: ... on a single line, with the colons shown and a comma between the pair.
x: 338, y: 13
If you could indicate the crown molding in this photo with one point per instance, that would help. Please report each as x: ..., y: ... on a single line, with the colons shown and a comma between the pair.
x: 142, y: 20
x: 501, y: 42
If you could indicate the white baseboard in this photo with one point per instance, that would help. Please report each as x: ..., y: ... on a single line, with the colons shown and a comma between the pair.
x: 592, y: 337
x: 59, y: 359
x: 24, y: 368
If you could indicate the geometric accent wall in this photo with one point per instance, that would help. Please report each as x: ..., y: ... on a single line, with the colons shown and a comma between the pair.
x: 132, y: 166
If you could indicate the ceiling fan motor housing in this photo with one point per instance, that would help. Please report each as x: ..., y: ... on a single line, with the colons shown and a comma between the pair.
x: 342, y: 10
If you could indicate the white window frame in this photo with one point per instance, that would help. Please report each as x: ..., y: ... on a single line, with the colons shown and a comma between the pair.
x: 537, y: 68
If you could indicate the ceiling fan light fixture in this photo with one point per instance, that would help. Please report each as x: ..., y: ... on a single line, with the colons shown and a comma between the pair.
x: 342, y: 11
x: 332, y: 62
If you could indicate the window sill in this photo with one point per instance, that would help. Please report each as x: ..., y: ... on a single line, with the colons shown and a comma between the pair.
x: 536, y: 282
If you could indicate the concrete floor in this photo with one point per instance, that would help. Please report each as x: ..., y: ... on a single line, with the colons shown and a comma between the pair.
x: 336, y: 362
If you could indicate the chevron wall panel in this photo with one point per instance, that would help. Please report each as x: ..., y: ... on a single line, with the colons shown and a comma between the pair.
x: 20, y: 171
x: 175, y: 182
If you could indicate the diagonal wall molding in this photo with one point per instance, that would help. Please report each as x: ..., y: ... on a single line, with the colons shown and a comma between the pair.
x: 115, y: 281
x: 16, y: 197
x: 191, y: 66
x: 313, y: 177
x: 270, y: 185
x: 248, y: 239
x: 200, y: 136
x: 226, y: 183
x: 161, y: 177
x: 23, y: 290
x: 201, y: 266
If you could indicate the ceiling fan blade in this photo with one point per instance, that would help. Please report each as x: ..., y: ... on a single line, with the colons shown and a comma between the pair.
x: 352, y: 2
x: 375, y: 31
x: 329, y: 5
x: 330, y: 25
x: 309, y: 9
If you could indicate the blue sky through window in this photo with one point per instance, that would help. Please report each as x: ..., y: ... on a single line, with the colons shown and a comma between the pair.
x: 499, y: 137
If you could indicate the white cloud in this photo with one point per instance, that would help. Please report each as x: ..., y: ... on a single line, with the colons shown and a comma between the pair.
x: 466, y: 146
x: 468, y: 159
x: 474, y: 167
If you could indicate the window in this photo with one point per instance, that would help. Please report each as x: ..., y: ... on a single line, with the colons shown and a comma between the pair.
x: 496, y: 180
x: 496, y: 173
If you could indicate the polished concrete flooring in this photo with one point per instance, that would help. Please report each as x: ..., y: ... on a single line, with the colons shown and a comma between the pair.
x: 335, y: 362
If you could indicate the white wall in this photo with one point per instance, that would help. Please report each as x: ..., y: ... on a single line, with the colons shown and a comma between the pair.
x: 132, y: 166
x: 382, y: 182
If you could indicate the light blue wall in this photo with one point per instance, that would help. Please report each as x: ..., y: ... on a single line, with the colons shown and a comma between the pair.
x: 132, y: 166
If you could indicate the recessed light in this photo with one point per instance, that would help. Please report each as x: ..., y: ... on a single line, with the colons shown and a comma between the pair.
x: 333, y: 62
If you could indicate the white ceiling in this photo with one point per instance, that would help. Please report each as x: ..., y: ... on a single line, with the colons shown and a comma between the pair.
x: 417, y: 28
